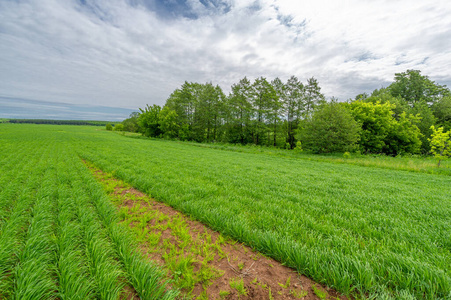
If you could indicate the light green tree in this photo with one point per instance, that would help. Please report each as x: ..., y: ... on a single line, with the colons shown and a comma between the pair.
x: 168, y: 123
x: 382, y: 132
x: 440, y: 144
x: 377, y: 122
x: 119, y: 127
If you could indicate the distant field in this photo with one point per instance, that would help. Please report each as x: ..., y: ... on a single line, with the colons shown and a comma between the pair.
x: 359, y: 229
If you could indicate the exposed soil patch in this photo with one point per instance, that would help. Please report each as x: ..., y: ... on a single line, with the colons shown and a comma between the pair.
x: 203, y: 263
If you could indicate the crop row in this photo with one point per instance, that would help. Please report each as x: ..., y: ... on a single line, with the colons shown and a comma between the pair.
x: 381, y: 233
x: 59, y: 233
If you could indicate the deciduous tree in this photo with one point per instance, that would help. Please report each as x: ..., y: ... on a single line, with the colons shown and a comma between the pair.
x: 440, y: 144
x: 331, y: 128
x: 148, y: 120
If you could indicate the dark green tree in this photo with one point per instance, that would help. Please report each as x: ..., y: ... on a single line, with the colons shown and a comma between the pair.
x: 442, y: 111
x: 263, y: 95
x: 330, y: 128
x: 425, y: 119
x: 414, y: 87
x: 148, y: 120
x: 131, y: 123
x: 313, y: 96
x: 239, y: 113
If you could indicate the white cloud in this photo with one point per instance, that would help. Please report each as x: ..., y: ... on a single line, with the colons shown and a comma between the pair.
x: 117, y: 54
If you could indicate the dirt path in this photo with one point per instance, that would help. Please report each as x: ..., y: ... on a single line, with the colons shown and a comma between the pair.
x: 203, y: 263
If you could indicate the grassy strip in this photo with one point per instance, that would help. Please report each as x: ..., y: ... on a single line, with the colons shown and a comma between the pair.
x: 412, y: 163
x: 17, y: 202
x: 146, y: 277
x: 102, y: 266
x: 72, y: 271
x: 181, y: 252
x: 34, y: 274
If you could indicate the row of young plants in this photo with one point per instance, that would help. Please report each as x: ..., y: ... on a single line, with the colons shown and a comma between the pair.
x: 60, y: 237
x: 368, y: 231
x: 189, y: 253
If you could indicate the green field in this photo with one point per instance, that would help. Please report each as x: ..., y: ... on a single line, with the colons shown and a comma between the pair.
x: 362, y: 230
x: 59, y: 236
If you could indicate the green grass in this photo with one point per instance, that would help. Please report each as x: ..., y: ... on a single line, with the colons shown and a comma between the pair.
x: 60, y: 236
x: 366, y: 230
x: 413, y: 163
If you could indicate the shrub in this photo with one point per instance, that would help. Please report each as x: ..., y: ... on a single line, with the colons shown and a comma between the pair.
x: 119, y: 127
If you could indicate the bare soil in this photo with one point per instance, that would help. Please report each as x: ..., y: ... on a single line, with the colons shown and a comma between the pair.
x: 262, y: 277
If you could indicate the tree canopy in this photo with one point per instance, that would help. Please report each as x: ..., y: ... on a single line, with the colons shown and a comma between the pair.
x: 331, y: 128
x: 393, y: 120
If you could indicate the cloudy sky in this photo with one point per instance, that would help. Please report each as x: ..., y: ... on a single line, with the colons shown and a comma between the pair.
x: 76, y: 54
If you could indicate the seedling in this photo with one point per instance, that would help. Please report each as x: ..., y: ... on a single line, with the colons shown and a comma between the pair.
x: 318, y: 292
x: 238, y: 285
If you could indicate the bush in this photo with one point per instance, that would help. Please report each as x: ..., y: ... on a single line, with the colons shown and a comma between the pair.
x: 119, y: 127
x: 331, y: 128
x: 109, y: 127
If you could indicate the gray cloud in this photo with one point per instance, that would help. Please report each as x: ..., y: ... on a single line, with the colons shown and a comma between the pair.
x: 129, y: 53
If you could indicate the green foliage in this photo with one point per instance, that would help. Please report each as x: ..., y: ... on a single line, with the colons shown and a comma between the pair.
x: 131, y: 124
x: 313, y: 96
x: 376, y: 120
x: 318, y: 292
x: 259, y: 112
x: 238, y: 285
x: 383, y: 95
x: 265, y: 102
x: 331, y: 128
x: 299, y: 146
x: 442, y: 111
x: 119, y: 127
x: 382, y: 132
x: 223, y: 294
x: 168, y: 120
x: 404, y: 136
x: 109, y: 127
x: 440, y: 144
x: 239, y: 113
x: 149, y: 120
x: 414, y: 87
x: 425, y: 119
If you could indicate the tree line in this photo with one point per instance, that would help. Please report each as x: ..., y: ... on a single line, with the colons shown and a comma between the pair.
x: 397, y: 119
x: 59, y: 122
